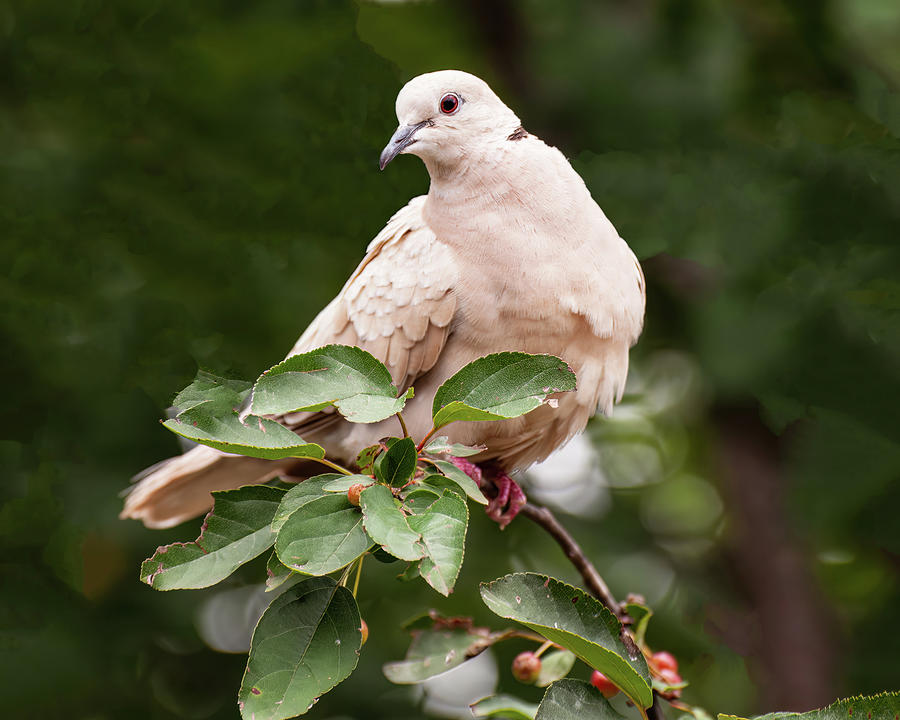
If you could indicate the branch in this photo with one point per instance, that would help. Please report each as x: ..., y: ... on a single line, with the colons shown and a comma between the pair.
x: 403, y: 425
x: 655, y: 711
x: 593, y: 582
x: 333, y: 466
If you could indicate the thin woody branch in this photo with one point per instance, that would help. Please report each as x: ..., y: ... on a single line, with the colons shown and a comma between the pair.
x: 594, y: 583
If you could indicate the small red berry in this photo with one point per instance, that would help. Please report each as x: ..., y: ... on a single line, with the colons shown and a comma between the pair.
x: 665, y: 661
x: 607, y: 688
x: 670, y: 677
x: 364, y: 630
x: 526, y: 667
x: 354, y: 491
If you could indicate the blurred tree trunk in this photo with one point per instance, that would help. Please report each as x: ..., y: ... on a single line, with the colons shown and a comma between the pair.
x: 499, y: 27
x: 792, y: 644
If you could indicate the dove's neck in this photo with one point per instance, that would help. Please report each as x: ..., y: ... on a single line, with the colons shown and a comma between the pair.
x: 501, y: 193
x: 466, y: 172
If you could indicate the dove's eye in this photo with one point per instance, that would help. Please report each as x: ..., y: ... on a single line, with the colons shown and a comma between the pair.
x: 449, y: 103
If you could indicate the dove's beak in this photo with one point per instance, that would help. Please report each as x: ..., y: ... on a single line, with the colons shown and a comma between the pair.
x: 402, y: 138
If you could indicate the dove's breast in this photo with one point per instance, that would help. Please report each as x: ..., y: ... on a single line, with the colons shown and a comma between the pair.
x: 541, y: 270
x: 521, y: 260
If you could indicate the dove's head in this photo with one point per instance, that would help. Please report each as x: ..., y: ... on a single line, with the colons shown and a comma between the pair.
x: 447, y: 116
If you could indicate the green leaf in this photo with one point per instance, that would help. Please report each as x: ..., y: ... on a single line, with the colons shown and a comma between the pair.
x: 345, y: 482
x: 435, y: 651
x: 499, y: 386
x: 324, y: 535
x: 662, y: 686
x: 442, y: 446
x: 276, y: 572
x: 346, y: 377
x: 695, y: 713
x: 410, y: 572
x: 258, y: 438
x: 554, y: 665
x: 306, y: 642
x: 574, y: 620
x: 366, y: 458
x: 430, y: 620
x: 875, y: 707
x: 443, y: 529
x: 235, y: 531
x: 382, y: 556
x: 464, y: 481
x: 570, y: 699
x: 219, y: 395
x: 437, y: 484
x: 208, y: 414
x: 378, y: 461
x: 420, y: 498
x: 299, y: 495
x: 504, y: 706
x: 387, y: 525
x: 398, y: 464
x: 640, y: 615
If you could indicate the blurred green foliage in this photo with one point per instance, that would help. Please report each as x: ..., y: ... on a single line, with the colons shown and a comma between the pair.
x: 189, y: 184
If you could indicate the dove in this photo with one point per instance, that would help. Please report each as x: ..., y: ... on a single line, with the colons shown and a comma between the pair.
x: 508, y: 251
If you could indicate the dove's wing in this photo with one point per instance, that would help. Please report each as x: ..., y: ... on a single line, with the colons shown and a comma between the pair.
x: 397, y: 305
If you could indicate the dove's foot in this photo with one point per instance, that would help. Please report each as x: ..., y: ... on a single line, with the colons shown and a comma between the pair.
x: 505, y: 497
x: 469, y: 468
x: 505, y: 505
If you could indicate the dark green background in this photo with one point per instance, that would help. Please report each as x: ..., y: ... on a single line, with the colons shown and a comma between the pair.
x: 188, y: 183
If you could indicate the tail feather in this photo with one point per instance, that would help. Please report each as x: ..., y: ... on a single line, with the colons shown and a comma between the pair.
x: 179, y: 488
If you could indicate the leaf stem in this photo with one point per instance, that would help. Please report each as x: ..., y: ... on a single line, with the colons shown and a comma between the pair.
x: 543, y: 648
x: 333, y: 466
x: 345, y: 575
x: 426, y: 438
x: 508, y: 634
x: 403, y: 425
x: 358, y: 573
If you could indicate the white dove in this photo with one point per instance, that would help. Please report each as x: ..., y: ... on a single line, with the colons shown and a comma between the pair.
x: 507, y: 251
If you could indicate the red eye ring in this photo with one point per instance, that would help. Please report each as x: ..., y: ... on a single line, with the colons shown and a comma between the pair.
x: 449, y: 103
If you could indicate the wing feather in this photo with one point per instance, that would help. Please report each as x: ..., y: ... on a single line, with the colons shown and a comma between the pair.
x: 398, y: 304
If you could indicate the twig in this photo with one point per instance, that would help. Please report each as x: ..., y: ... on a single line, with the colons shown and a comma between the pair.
x: 522, y: 634
x: 333, y: 466
x: 345, y: 576
x: 592, y: 580
x: 655, y: 711
x: 426, y: 438
x: 403, y: 425
x: 543, y: 648
x: 358, y: 573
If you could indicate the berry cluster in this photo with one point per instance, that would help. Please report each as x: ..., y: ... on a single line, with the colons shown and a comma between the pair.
x: 662, y: 664
x: 527, y: 666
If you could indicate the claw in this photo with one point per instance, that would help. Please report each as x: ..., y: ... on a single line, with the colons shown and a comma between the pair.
x: 506, y: 498
x: 508, y: 501
x: 470, y: 469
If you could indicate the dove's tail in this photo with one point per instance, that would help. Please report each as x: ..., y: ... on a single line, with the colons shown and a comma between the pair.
x: 179, y: 488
